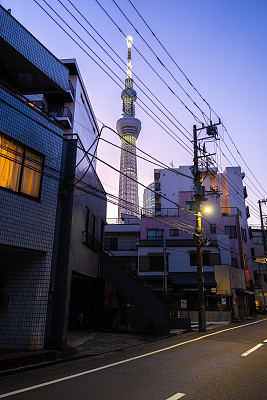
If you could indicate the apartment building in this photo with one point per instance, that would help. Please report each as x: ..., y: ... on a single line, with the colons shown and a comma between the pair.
x: 51, y: 219
x: 167, y: 248
x: 257, y: 237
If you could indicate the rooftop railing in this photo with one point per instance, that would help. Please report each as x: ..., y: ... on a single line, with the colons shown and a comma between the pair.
x: 125, y: 221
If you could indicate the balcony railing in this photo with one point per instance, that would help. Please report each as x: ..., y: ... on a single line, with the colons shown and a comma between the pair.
x: 125, y: 221
x: 61, y: 114
x: 71, y: 89
x: 124, y: 246
x: 167, y: 212
x: 230, y: 211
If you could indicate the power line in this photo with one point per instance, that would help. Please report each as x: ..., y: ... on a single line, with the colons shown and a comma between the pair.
x: 147, y: 88
x: 190, y: 83
x: 153, y: 69
x: 177, y: 139
x: 161, y: 63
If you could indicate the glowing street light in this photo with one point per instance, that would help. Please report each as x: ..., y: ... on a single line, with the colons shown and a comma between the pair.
x: 207, y: 209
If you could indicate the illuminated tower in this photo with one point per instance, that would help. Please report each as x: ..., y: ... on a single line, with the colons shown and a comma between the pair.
x: 128, y: 128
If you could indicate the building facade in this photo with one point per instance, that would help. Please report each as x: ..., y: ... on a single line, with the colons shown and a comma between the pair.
x: 167, y: 248
x: 30, y: 157
x: 53, y: 206
x: 258, y: 253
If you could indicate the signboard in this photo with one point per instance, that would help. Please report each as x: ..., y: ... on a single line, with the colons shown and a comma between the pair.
x: 261, y: 260
x: 223, y: 300
x: 183, y: 303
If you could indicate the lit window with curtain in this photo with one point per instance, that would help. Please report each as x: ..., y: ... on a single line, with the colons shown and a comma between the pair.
x: 20, y: 168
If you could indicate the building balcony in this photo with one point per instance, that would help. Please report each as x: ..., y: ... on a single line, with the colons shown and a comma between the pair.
x: 62, y: 115
x: 125, y: 221
x: 167, y: 212
x: 230, y: 211
x: 123, y: 246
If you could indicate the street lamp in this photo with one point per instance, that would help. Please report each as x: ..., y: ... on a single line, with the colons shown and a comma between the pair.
x: 207, y: 209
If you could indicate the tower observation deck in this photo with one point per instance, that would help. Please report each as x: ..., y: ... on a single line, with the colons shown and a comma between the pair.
x: 128, y: 128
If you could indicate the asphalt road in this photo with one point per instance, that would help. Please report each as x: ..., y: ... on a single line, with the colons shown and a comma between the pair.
x: 224, y: 364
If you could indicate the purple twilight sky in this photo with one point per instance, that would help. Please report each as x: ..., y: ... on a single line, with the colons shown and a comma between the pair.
x: 220, y: 45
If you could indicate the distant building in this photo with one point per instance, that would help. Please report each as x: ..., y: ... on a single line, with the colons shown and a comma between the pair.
x: 149, y: 200
x: 258, y: 254
x: 227, y: 269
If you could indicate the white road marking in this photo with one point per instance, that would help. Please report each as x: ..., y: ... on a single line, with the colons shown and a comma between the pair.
x: 251, y: 350
x: 90, y: 371
x: 176, y: 396
x: 265, y: 341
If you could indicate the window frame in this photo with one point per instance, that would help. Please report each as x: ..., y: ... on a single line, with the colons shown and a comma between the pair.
x: 257, y: 240
x: 190, y: 205
x: 155, y: 237
x: 244, y: 234
x: 231, y: 236
x: 159, y: 264
x: 174, y: 230
x: 23, y: 166
x: 213, y: 229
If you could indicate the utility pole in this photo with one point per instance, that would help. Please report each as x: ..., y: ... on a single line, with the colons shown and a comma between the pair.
x: 199, y: 198
x: 200, y: 276
x: 264, y: 246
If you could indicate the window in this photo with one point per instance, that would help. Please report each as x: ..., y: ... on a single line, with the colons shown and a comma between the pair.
x: 174, y: 232
x: 157, y: 207
x: 244, y: 234
x: 93, y: 225
x: 234, y: 262
x: 257, y: 240
x: 193, y: 259
x: 155, y: 234
x: 156, y: 263
x: 102, y: 231
x: 231, y: 231
x: 209, y: 259
x: 20, y: 168
x: 213, y: 229
x: 190, y: 205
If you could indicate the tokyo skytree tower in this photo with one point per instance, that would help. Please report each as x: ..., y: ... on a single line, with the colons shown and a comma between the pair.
x: 128, y: 128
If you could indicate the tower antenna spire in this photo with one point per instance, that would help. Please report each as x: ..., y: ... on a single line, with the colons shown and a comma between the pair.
x: 129, y: 58
x: 128, y: 128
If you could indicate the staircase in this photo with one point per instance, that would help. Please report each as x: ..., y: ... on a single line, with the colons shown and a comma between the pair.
x: 136, y: 293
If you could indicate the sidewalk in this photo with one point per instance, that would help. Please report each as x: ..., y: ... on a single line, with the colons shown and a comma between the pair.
x: 87, y: 342
x: 81, y: 343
